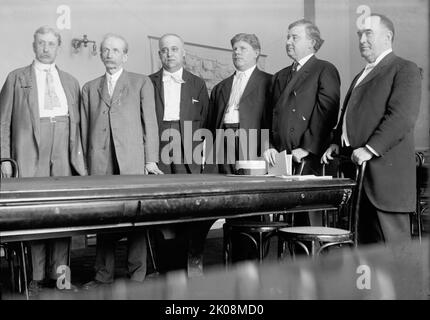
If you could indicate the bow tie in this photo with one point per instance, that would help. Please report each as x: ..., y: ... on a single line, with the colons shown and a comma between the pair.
x: 172, y: 77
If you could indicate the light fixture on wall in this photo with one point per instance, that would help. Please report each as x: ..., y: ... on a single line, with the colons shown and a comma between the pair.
x: 77, y: 44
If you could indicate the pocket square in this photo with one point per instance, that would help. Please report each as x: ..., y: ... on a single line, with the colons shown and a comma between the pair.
x: 194, y: 100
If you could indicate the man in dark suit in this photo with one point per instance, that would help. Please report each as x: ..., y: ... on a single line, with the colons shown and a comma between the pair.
x: 120, y: 136
x: 181, y: 104
x: 39, y: 112
x: 377, y: 125
x: 240, y: 102
x: 305, y: 100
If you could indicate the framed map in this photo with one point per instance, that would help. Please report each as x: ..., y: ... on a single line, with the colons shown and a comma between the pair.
x: 212, y: 64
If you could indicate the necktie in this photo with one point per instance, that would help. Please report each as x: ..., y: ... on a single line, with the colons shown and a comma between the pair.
x: 235, y: 91
x: 292, y: 71
x: 51, y: 98
x: 366, y: 71
x: 110, y: 86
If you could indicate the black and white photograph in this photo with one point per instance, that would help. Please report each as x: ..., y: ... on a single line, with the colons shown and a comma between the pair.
x: 215, y: 158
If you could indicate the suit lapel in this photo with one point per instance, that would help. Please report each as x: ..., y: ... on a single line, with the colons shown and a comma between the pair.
x: 295, y: 81
x: 69, y: 95
x: 252, y: 83
x: 376, y: 71
x: 28, y: 82
x: 184, y: 105
x: 103, y: 91
x: 159, y: 90
x: 121, y: 88
x: 225, y: 96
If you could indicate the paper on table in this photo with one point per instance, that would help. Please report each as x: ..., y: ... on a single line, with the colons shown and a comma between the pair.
x: 283, y: 164
x: 305, y: 177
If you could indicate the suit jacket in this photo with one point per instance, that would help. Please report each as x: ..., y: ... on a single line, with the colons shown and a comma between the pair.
x: 129, y: 117
x: 20, y: 124
x: 305, y: 109
x: 382, y: 111
x: 253, y: 103
x: 193, y: 108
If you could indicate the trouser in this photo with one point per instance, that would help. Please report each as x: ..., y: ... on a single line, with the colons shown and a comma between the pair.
x: 170, y: 241
x: 106, y: 243
x: 376, y: 226
x: 53, y: 161
x: 136, y: 256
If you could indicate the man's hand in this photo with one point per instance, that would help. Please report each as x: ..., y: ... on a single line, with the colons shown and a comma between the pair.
x: 269, y: 155
x: 361, y: 155
x: 299, y: 154
x: 152, y: 168
x: 6, y: 169
x: 328, y: 154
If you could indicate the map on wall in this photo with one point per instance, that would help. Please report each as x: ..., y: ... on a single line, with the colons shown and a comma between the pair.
x: 210, y: 63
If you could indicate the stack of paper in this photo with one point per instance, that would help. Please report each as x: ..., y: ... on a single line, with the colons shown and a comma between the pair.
x: 283, y: 164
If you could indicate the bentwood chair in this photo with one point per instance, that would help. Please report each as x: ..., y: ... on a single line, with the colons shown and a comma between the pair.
x: 258, y: 233
x: 422, y: 200
x: 16, y: 253
x: 324, y: 236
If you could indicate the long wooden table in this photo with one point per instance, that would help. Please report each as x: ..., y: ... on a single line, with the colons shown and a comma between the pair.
x: 35, y: 208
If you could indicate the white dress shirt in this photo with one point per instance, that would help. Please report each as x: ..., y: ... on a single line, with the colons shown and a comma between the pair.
x: 172, y: 94
x: 302, y: 61
x: 369, y: 67
x: 40, y: 71
x: 232, y: 112
x: 112, y: 79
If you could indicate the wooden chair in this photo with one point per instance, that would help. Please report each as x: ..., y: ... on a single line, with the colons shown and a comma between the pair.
x: 16, y: 253
x: 258, y: 232
x: 422, y: 199
x: 326, y: 236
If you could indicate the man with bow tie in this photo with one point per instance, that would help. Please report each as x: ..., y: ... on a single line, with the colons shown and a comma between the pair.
x: 377, y: 125
x: 120, y: 136
x: 305, y: 100
x: 181, y: 104
x: 39, y: 113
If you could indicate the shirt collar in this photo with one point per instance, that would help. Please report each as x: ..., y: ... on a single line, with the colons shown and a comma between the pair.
x: 378, y: 59
x: 303, y: 60
x: 247, y: 72
x: 177, y: 75
x: 114, y: 76
x: 43, y: 67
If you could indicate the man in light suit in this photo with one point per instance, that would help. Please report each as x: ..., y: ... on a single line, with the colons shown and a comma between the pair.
x: 181, y: 102
x: 377, y: 125
x: 241, y: 100
x: 39, y: 112
x: 120, y: 136
x: 305, y: 100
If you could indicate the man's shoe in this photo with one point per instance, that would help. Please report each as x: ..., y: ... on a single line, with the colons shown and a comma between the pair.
x: 94, y: 284
x: 34, y: 288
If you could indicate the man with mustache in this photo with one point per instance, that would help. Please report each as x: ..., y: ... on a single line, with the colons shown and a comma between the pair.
x: 377, y: 125
x: 39, y: 113
x: 120, y: 136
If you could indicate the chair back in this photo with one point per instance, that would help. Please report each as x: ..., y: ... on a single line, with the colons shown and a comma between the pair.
x: 15, y: 169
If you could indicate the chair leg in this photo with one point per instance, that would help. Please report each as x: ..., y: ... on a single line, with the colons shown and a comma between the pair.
x: 151, y: 252
x: 24, y: 268
x: 226, y: 246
